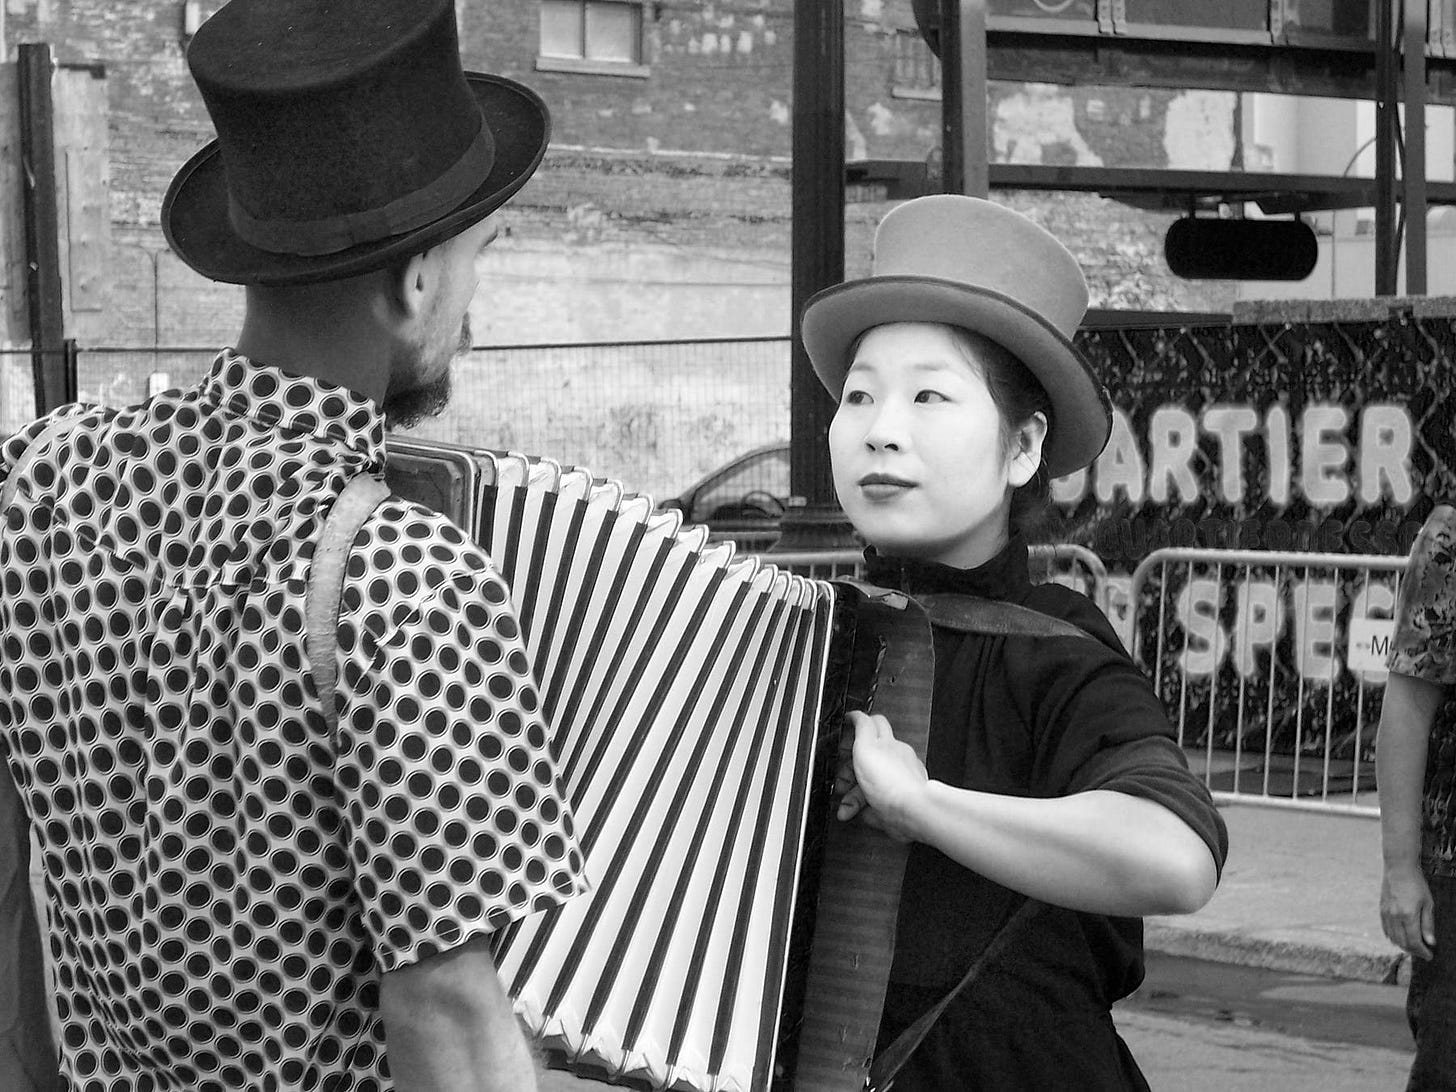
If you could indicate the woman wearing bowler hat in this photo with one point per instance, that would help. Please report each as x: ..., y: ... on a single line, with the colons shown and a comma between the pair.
x: 1054, y: 808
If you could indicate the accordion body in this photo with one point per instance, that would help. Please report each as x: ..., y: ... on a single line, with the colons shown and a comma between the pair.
x: 734, y: 936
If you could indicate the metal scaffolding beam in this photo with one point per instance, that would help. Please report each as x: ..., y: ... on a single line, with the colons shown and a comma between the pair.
x: 817, y: 244
x: 54, y: 385
x: 965, y: 134
x: 1413, y: 167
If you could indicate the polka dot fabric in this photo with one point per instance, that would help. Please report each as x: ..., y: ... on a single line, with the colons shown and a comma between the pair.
x: 225, y: 882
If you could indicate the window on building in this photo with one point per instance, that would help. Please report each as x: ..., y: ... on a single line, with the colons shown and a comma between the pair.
x: 603, y: 36
x: 917, y: 71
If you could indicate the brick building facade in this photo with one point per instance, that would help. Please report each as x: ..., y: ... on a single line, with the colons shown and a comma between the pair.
x: 662, y: 208
x: 678, y: 166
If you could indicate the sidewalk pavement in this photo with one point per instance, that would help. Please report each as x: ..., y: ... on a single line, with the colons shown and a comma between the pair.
x: 1300, y: 893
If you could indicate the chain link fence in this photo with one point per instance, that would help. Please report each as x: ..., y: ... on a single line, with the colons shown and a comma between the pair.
x: 655, y: 415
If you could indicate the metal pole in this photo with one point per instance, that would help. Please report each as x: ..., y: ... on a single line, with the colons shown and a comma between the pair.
x: 817, y: 243
x: 1413, y: 174
x: 42, y: 227
x: 71, y: 369
x: 964, y: 127
x: 1386, y: 128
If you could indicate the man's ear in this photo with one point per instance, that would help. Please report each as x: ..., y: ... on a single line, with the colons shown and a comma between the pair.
x: 411, y: 280
x: 1027, y: 441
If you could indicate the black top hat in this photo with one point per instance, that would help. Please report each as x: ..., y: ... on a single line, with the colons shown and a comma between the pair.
x: 348, y: 136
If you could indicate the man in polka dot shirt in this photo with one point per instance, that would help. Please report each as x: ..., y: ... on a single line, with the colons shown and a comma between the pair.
x: 236, y: 893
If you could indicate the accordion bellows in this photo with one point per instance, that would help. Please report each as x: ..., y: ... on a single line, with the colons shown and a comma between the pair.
x: 685, y: 687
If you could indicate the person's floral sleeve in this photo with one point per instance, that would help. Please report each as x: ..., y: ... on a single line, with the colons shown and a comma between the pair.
x: 1424, y: 643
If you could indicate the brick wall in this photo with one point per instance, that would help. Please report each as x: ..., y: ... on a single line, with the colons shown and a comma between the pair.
x: 692, y: 159
x: 662, y: 209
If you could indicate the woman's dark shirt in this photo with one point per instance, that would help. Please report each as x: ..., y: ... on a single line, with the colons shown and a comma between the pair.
x: 1035, y: 717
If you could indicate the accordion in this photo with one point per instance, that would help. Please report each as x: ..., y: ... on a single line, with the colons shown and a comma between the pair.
x: 735, y: 937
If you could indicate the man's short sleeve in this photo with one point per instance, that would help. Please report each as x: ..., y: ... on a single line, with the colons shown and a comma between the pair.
x: 1423, y: 645
x: 457, y: 821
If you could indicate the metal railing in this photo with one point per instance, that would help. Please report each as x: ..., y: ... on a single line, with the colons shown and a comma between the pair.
x: 819, y: 564
x: 1075, y: 566
x: 1272, y: 667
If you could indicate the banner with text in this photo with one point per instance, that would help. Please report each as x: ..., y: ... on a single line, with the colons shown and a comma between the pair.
x: 1330, y: 437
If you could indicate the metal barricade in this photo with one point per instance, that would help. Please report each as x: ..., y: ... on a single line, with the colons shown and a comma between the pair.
x: 1075, y: 566
x: 1271, y: 666
x: 818, y: 564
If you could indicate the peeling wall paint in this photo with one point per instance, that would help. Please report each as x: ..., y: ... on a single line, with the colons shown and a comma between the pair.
x: 882, y: 119
x: 1199, y: 133
x: 855, y: 145
x: 1039, y: 125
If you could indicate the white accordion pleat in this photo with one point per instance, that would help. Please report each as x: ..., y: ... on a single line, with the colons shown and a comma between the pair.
x: 682, y: 684
x: 683, y: 736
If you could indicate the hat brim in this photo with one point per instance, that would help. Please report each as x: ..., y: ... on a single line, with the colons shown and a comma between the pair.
x: 195, y: 209
x: 1082, y: 418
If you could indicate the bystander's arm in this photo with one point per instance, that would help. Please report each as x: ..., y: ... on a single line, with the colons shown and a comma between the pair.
x: 28, y: 1060
x: 1406, y: 716
x: 449, y: 1026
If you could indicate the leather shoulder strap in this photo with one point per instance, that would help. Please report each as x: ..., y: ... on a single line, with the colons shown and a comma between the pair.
x: 356, y: 503
x: 45, y: 436
x: 890, y: 1061
x: 971, y: 614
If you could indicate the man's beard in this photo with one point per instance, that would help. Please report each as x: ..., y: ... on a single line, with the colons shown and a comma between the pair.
x: 406, y: 408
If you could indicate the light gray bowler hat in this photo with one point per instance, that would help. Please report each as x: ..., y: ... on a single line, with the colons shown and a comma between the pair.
x: 973, y: 263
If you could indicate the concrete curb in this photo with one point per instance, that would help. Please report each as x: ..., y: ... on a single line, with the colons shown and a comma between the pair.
x: 1297, y: 957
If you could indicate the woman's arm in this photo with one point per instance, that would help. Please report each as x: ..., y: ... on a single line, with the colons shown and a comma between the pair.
x: 1406, y: 715
x: 1098, y: 851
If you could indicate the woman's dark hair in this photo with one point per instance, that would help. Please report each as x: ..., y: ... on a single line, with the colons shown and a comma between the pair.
x: 1017, y: 395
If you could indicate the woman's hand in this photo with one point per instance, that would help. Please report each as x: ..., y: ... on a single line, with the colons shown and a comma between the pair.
x: 883, y: 780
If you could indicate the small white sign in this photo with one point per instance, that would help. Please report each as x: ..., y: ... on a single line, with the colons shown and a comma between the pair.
x: 1369, y: 645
